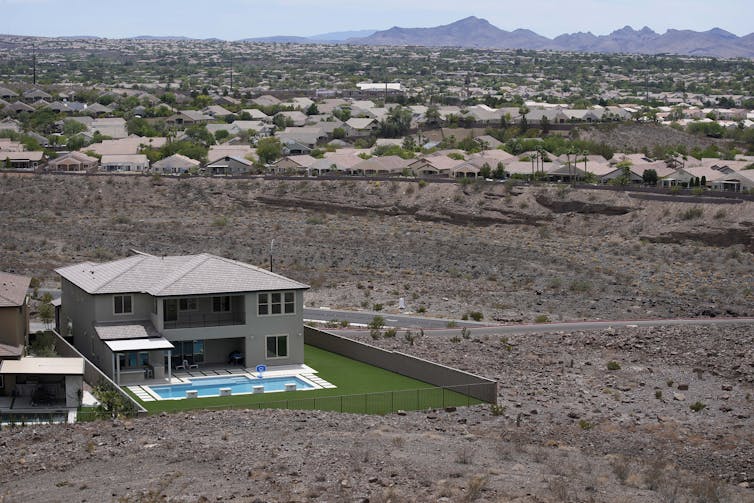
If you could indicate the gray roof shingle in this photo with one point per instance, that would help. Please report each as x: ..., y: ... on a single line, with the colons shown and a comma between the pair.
x: 203, y: 274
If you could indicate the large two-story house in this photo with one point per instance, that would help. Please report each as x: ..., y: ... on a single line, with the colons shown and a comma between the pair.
x: 141, y: 317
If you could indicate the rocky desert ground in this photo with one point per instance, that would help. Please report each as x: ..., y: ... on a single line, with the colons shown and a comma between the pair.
x: 512, y: 253
x: 626, y: 415
x: 672, y: 423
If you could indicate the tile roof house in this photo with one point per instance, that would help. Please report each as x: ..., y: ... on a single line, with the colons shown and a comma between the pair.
x: 73, y: 161
x: 229, y: 165
x: 136, y: 318
x: 31, y: 385
x: 128, y: 163
x: 176, y: 164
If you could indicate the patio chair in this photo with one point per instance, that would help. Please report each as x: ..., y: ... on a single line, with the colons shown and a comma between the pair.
x: 183, y: 366
x: 193, y: 366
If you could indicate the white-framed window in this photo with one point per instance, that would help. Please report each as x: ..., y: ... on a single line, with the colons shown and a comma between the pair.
x: 277, y: 346
x: 123, y: 304
x: 274, y: 303
x: 221, y: 304
x: 189, y: 304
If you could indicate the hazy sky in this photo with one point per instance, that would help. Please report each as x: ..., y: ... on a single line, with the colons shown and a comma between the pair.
x: 235, y: 19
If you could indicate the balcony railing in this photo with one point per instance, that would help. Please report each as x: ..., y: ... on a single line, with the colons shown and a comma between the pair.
x: 200, y: 320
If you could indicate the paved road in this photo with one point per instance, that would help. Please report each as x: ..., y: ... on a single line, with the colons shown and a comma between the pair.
x: 439, y: 327
x: 391, y: 320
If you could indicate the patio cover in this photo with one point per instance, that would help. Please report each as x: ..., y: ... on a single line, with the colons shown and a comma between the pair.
x: 40, y: 366
x: 120, y: 346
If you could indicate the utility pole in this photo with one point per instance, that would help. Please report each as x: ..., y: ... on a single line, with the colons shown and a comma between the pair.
x: 34, y: 62
x: 272, y: 245
x: 231, y: 73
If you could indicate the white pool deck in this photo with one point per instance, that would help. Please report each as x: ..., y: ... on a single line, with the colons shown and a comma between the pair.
x: 145, y: 393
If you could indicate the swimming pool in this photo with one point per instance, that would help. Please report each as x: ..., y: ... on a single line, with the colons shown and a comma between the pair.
x: 210, y: 386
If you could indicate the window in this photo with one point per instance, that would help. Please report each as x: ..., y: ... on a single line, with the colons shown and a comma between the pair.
x: 154, y: 306
x: 290, y: 302
x: 276, y: 303
x: 221, y: 304
x: 277, y: 346
x: 187, y: 305
x: 170, y: 310
x: 123, y: 304
x: 264, y: 304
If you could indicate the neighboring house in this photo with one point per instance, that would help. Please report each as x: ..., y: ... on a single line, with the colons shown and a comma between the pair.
x: 188, y: 118
x: 434, y: 165
x: 266, y: 101
x: 361, y: 127
x: 257, y: 115
x: 32, y: 385
x: 387, y: 165
x: 309, y: 136
x: 176, y: 164
x: 292, y: 147
x: 229, y: 165
x: 138, y: 317
x: 73, y: 161
x: 7, y: 95
x: 739, y: 181
x: 17, y: 107
x: 296, y: 118
x: 33, y: 95
x: 217, y: 112
x: 21, y: 160
x: 293, y: 164
x: 133, y: 163
x: 114, y: 127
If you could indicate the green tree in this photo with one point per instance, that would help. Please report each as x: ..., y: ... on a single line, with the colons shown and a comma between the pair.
x: 221, y: 134
x: 72, y: 127
x: 269, y: 149
x: 312, y: 110
x: 485, y: 171
x: 339, y: 133
x: 650, y: 177
x: 397, y: 123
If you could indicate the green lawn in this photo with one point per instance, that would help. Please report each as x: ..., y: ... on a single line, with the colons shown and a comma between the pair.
x: 361, y: 388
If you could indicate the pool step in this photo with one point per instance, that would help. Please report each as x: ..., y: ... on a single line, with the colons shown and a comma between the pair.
x: 140, y: 393
x: 319, y: 381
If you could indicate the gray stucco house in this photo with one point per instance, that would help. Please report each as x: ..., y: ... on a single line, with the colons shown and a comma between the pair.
x: 140, y: 317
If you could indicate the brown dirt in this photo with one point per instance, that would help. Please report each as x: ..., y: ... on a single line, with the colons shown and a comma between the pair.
x: 444, y: 248
x: 570, y: 430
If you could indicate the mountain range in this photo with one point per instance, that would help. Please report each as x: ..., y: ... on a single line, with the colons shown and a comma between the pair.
x: 480, y: 33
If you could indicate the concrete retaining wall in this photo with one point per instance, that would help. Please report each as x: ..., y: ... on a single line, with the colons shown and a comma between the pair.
x: 401, y: 363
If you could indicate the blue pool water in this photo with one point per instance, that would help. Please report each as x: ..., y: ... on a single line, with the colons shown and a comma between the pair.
x: 210, y: 386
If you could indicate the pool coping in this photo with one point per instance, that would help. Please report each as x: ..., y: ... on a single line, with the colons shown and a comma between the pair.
x: 307, y: 374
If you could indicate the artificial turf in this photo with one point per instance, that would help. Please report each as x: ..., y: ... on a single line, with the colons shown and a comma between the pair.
x: 360, y: 388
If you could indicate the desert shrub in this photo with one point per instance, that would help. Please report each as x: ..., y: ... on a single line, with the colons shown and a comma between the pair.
x: 612, y: 365
x: 476, y: 315
x: 720, y: 214
x: 542, y: 318
x: 455, y: 339
x: 692, y: 213
x: 580, y: 285
x: 378, y: 307
x: 497, y: 410
x: 658, y: 394
x: 585, y: 425
x: 465, y: 456
x: 466, y: 333
x: 421, y: 309
x: 390, y: 333
x: 697, y: 406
